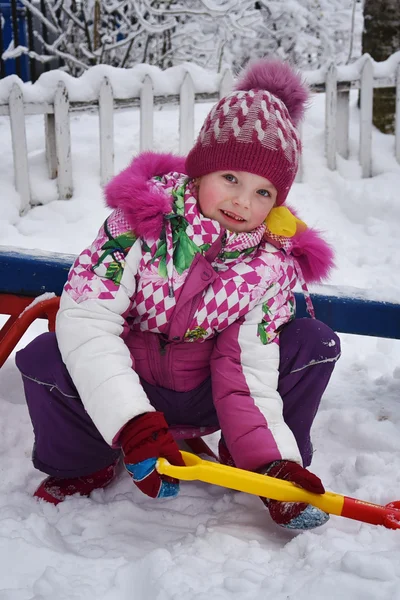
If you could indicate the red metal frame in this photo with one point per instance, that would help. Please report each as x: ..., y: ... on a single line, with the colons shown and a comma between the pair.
x: 23, y: 311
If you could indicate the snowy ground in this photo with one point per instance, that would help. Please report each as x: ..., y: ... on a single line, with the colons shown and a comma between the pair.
x: 211, y: 543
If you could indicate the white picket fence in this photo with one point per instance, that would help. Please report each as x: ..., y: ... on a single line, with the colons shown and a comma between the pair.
x: 337, y: 82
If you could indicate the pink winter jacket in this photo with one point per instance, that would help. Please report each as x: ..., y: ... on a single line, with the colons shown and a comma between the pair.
x: 166, y: 294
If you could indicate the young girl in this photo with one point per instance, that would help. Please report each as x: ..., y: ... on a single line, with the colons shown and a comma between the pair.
x: 182, y: 313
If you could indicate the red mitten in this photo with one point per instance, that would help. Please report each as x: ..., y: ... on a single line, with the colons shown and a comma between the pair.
x: 291, y: 471
x: 295, y: 515
x: 143, y: 440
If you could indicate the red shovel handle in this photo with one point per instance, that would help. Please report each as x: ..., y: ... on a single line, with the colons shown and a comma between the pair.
x: 388, y: 516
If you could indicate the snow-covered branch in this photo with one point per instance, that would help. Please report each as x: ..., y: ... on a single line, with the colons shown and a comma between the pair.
x: 215, y: 33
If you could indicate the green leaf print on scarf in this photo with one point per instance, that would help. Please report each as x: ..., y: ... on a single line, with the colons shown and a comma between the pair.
x: 184, y: 249
x: 178, y: 195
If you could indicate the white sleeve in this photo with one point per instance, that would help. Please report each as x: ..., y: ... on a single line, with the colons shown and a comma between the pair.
x: 89, y: 334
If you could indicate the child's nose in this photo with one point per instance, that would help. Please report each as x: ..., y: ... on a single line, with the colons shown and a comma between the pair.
x: 242, y: 200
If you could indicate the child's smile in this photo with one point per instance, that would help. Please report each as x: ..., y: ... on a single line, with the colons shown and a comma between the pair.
x: 232, y: 215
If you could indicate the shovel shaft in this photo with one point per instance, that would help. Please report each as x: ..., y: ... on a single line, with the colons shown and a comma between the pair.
x: 249, y: 482
x: 278, y: 489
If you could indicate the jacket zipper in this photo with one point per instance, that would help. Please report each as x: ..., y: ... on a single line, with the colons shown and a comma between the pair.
x: 160, y: 366
x: 163, y: 346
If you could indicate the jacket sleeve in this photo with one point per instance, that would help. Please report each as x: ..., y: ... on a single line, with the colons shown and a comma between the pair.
x: 245, y: 372
x: 91, y: 326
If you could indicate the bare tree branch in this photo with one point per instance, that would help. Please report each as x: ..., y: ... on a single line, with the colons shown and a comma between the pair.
x: 35, y: 11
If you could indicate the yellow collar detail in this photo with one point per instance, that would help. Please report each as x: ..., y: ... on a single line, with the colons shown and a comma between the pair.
x: 280, y: 221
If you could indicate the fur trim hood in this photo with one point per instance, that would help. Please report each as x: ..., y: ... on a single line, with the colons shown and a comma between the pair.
x: 145, y: 206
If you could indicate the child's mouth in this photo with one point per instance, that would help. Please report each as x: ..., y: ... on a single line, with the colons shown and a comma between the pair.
x: 232, y: 216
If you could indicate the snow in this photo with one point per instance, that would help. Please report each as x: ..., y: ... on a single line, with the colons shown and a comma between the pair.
x: 352, y: 72
x: 126, y: 83
x: 211, y: 542
x: 38, y: 299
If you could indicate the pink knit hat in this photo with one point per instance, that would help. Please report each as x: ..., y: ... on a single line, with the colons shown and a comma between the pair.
x: 253, y: 129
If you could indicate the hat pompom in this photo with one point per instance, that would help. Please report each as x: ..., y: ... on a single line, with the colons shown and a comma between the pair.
x: 278, y: 78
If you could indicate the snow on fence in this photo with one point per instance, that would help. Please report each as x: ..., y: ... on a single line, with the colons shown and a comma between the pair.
x: 105, y: 89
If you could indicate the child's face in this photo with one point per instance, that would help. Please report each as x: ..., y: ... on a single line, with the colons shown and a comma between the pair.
x: 238, y: 200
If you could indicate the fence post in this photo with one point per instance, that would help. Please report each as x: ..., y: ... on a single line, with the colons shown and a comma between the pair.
x: 2, y: 64
x: 106, y: 124
x: 63, y: 142
x: 186, y: 115
x: 226, y: 83
x: 366, y: 109
x: 330, y: 116
x: 342, y: 123
x: 146, y: 114
x: 20, y: 150
x: 397, y: 131
x: 50, y: 144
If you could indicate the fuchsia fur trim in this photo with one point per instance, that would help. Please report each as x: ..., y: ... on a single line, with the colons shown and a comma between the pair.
x: 143, y: 204
x: 278, y: 78
x: 314, y: 255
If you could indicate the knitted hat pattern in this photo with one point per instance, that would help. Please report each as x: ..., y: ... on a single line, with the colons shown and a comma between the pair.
x: 253, y: 128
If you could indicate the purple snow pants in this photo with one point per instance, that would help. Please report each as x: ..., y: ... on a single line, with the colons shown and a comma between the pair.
x: 67, y: 443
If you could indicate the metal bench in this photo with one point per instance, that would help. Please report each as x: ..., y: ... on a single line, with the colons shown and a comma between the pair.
x: 31, y: 283
x: 26, y: 275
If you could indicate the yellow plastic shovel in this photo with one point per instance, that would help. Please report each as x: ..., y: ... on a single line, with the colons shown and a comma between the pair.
x: 277, y: 489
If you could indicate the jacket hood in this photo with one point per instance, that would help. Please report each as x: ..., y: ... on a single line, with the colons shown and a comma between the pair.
x: 145, y: 205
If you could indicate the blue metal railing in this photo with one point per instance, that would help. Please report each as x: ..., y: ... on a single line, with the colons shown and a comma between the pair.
x: 13, y: 28
x: 22, y: 273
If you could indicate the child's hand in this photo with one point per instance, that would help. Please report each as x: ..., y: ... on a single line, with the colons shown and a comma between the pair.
x: 143, y: 441
x: 295, y: 515
x: 291, y: 471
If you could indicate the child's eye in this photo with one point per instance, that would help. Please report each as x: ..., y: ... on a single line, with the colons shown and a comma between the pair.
x: 264, y: 193
x: 230, y: 177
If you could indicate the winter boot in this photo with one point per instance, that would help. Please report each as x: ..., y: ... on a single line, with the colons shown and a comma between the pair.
x: 55, y: 490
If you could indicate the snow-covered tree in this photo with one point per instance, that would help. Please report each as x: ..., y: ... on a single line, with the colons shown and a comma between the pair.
x: 381, y: 37
x: 212, y: 33
x: 308, y: 32
x: 122, y: 33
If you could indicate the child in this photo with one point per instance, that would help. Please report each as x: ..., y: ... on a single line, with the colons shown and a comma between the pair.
x: 182, y: 312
